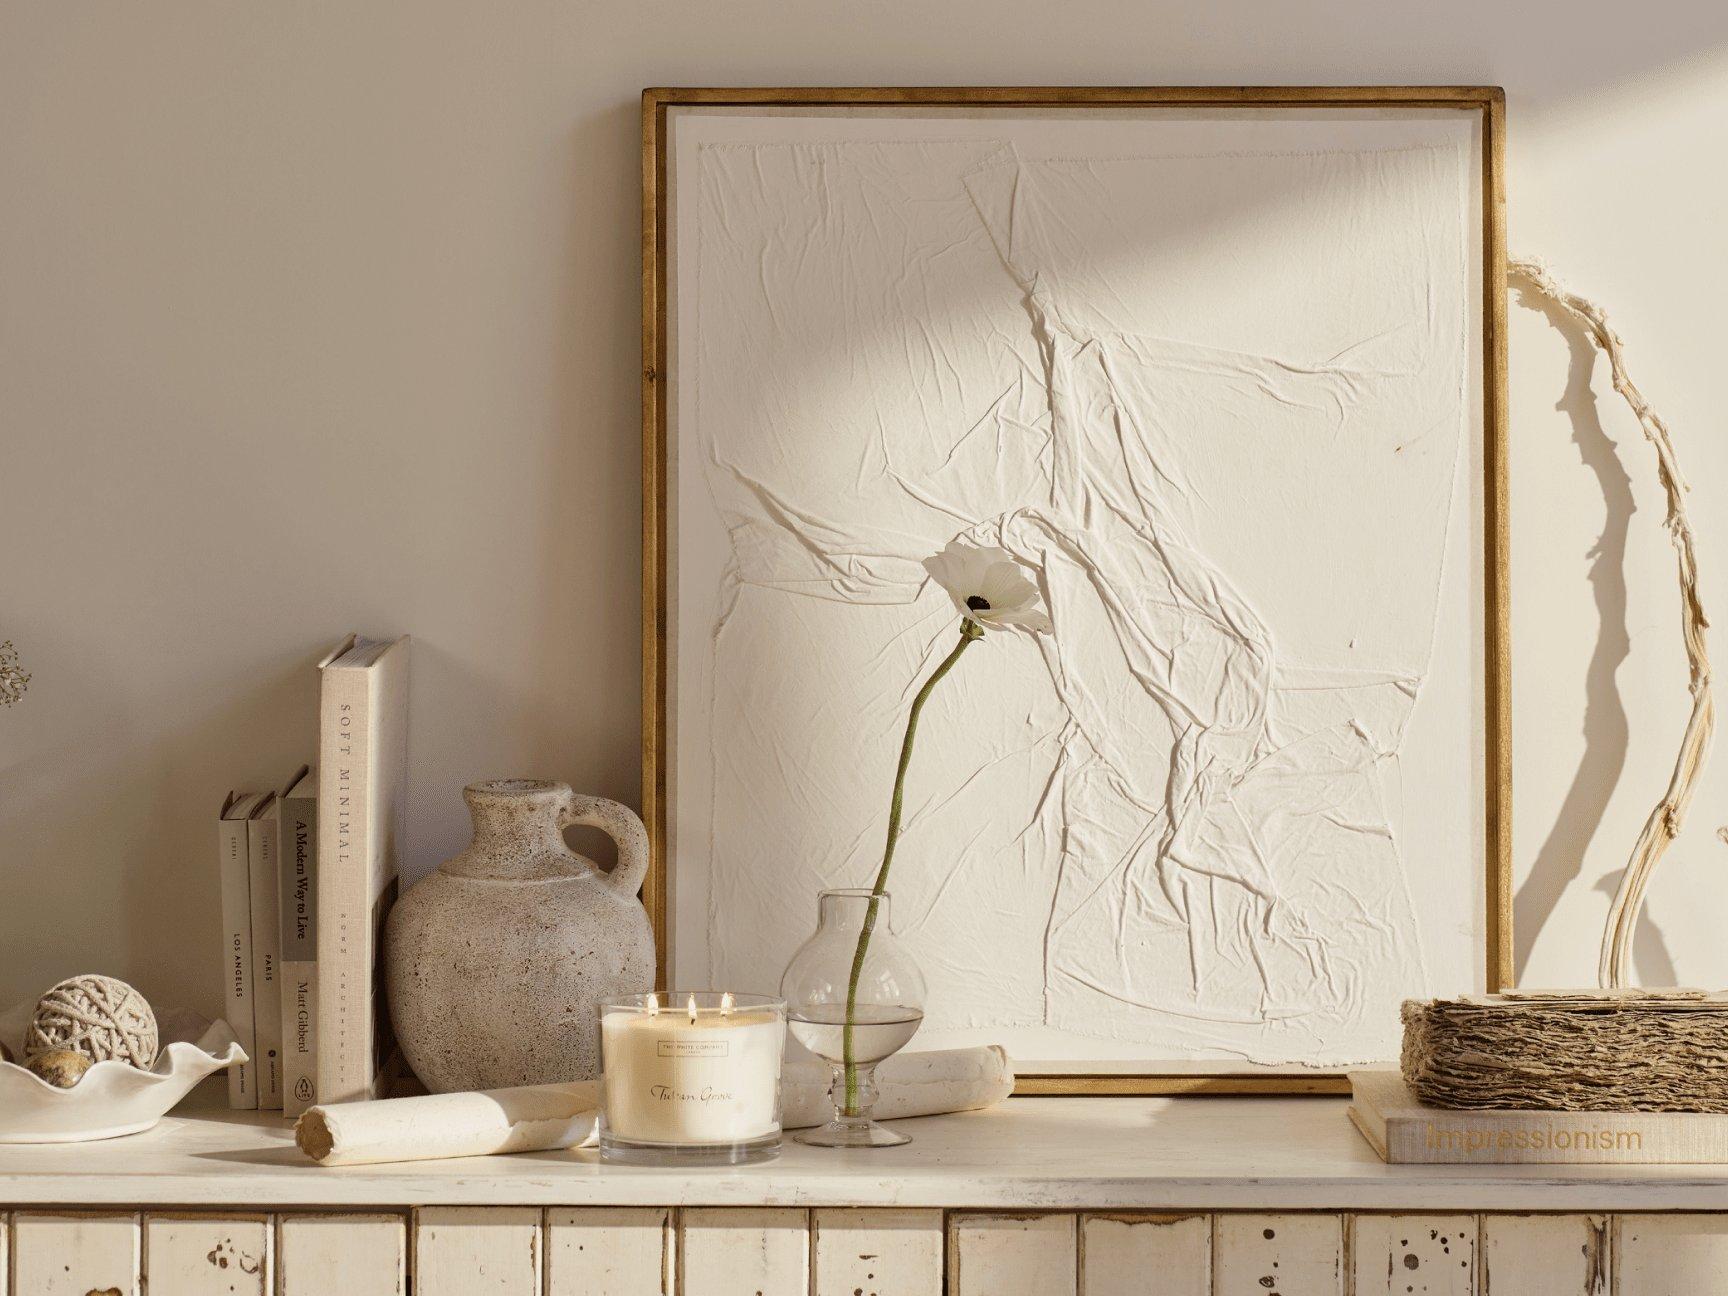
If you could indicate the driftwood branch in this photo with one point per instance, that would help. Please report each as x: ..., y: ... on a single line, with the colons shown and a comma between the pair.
x: 1665, y: 821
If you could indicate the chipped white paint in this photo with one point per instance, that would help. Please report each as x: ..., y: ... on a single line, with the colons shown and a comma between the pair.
x: 208, y: 1255
x: 1277, y: 1255
x: 71, y: 1254
x: 1012, y: 1255
x: 350, y: 1254
x: 876, y: 1252
x: 477, y: 1251
x: 1119, y: 1252
x: 1413, y: 1255
x: 609, y: 1251
x: 1670, y: 1255
x: 743, y: 1252
x: 1545, y: 1255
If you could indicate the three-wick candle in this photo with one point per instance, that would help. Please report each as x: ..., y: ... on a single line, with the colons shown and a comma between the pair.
x: 697, y: 1070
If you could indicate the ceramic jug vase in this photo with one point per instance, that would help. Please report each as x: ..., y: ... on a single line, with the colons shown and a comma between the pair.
x: 496, y: 963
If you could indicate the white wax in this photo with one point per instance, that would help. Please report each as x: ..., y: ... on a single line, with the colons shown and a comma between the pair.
x: 671, y: 1078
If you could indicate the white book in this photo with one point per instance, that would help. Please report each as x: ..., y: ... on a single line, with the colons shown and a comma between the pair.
x: 234, y: 856
x: 1404, y: 1131
x: 362, y: 767
x: 298, y: 814
x: 262, y: 837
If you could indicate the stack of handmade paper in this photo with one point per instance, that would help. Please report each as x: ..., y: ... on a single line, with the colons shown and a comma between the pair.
x: 1616, y: 1077
x: 1586, y: 1050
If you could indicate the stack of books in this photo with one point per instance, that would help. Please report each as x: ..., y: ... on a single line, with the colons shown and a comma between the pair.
x: 308, y: 876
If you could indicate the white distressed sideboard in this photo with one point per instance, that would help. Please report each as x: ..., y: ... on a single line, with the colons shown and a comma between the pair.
x: 1040, y: 1197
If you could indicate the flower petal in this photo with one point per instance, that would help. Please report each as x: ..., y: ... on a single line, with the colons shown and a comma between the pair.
x: 1034, y: 619
x: 1005, y: 586
x: 993, y: 576
x: 960, y: 568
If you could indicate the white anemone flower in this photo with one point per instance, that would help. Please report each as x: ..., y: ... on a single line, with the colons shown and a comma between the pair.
x: 989, y: 587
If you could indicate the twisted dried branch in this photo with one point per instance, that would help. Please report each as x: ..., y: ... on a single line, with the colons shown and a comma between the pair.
x: 1665, y: 821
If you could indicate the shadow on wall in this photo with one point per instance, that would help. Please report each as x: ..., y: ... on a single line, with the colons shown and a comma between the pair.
x: 1560, y: 861
x: 102, y: 860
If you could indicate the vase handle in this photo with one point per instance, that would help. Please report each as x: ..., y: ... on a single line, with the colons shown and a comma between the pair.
x: 619, y: 822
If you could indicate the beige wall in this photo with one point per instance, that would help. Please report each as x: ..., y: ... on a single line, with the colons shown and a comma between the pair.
x: 316, y: 316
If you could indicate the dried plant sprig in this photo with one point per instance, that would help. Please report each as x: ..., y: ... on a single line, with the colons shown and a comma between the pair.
x: 1665, y: 821
x: 14, y: 679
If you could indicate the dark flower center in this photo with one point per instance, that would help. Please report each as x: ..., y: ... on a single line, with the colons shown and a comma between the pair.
x: 977, y: 602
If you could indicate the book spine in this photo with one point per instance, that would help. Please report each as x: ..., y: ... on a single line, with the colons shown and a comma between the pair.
x: 1557, y: 1138
x: 345, y: 736
x: 263, y: 838
x: 237, y: 956
x: 298, y: 854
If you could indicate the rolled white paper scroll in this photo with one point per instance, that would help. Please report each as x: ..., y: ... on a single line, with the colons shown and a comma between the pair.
x: 540, y: 1118
x: 908, y: 1084
x: 533, y: 1118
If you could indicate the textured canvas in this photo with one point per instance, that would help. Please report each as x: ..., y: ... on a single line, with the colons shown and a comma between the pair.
x: 1215, y: 379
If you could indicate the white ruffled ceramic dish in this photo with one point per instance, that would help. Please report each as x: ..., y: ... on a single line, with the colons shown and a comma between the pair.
x: 113, y: 1098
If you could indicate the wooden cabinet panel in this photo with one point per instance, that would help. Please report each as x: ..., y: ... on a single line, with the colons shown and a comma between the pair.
x: 1133, y: 1255
x: 208, y: 1255
x: 1413, y: 1255
x: 1013, y: 1255
x: 881, y: 1252
x: 1277, y: 1255
x: 1545, y: 1255
x: 342, y: 1255
x: 477, y: 1251
x: 609, y: 1251
x: 743, y: 1251
x: 72, y: 1254
x: 1670, y: 1255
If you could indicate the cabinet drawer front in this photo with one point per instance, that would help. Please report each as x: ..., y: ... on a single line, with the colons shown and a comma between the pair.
x: 1013, y: 1255
x: 1293, y: 1255
x: 477, y: 1251
x: 353, y: 1255
x: 1545, y: 1255
x: 743, y: 1251
x: 1413, y: 1255
x: 876, y: 1252
x: 208, y: 1255
x: 609, y: 1251
x: 72, y: 1254
x: 1120, y: 1254
x: 1667, y: 1255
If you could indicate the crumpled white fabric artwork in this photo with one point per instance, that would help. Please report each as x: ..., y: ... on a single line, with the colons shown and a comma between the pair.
x: 1217, y: 403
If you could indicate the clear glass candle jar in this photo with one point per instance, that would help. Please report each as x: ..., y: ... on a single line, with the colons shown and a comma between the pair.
x: 691, y: 1077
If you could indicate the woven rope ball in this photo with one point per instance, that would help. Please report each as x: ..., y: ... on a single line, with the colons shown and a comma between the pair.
x: 97, y: 1016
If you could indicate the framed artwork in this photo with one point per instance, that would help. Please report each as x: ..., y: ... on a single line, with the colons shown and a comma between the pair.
x: 1224, y: 369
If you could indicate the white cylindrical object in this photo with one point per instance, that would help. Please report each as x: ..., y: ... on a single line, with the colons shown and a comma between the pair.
x: 908, y: 1084
x: 533, y: 1118
x: 692, y: 1069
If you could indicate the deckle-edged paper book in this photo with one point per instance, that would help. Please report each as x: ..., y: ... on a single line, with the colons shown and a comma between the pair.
x: 1406, y: 1132
x: 233, y: 853
x: 362, y: 764
x: 298, y: 855
x: 262, y: 835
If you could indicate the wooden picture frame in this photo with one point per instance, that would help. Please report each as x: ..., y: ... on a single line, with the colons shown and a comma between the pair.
x: 1485, y: 104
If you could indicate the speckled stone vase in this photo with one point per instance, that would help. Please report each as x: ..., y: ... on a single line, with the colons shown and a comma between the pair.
x: 495, y: 964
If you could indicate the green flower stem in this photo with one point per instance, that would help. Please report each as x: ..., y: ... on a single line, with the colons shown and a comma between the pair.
x: 969, y: 631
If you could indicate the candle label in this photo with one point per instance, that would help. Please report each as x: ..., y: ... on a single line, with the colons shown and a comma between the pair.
x: 694, y: 1048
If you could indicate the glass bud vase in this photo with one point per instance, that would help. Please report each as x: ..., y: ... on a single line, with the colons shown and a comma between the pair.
x: 853, y: 996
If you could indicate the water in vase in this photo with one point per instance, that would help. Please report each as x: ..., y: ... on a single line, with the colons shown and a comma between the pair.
x: 878, y: 1030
